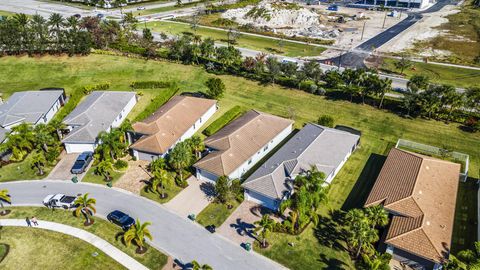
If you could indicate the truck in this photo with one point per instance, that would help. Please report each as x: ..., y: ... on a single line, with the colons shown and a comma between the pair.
x: 60, y: 201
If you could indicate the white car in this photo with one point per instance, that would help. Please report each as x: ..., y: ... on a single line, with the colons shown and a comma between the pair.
x: 140, y: 8
x: 59, y: 200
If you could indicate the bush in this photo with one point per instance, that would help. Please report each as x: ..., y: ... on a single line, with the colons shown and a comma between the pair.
x: 326, y: 120
x: 308, y: 86
x: 216, y: 88
x: 158, y: 101
x: 87, y: 89
x: 150, y: 84
x: 120, y: 164
x: 223, y: 120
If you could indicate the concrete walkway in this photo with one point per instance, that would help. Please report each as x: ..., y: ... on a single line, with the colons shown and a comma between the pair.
x: 90, y: 238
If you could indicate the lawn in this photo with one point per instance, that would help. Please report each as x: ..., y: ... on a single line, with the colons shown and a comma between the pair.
x: 215, y: 214
x: 6, y: 13
x: 380, y: 129
x: 458, y: 77
x: 171, y: 192
x: 465, y: 230
x: 164, y: 9
x: 91, y: 177
x: 41, y: 249
x: 153, y: 258
x: 22, y: 171
x: 264, y: 44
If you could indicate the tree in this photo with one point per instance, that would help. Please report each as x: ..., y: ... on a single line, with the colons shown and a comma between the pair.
x: 332, y: 78
x: 4, y: 197
x: 162, y: 178
x: 147, y: 35
x: 418, y: 83
x: 273, y: 67
x: 180, y: 158
x: 197, y: 145
x: 222, y: 188
x: 402, y: 64
x: 312, y: 70
x: 86, y: 207
x: 198, y: 266
x: 56, y: 22
x: 326, y: 120
x: 43, y: 136
x: 232, y: 36
x: 288, y: 68
x: 179, y: 3
x: 104, y: 168
x: 137, y: 234
x: 215, y: 88
x: 39, y: 162
x: 377, y: 216
x: 112, y: 144
x: 207, y: 48
x: 362, y: 232
x: 157, y: 164
x: 472, y: 96
x: 264, y: 226
x: 465, y: 259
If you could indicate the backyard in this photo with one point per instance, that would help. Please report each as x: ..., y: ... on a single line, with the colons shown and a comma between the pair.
x: 380, y: 129
x: 37, y: 249
x: 264, y: 44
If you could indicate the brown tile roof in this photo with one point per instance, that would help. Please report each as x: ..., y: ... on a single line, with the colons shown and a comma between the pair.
x: 421, y: 192
x: 165, y: 126
x: 240, y: 140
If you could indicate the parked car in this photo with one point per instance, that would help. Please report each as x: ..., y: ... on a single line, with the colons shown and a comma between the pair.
x: 60, y: 201
x: 82, y: 162
x: 100, y: 15
x: 121, y: 219
x: 78, y: 16
x: 140, y: 8
x: 333, y: 8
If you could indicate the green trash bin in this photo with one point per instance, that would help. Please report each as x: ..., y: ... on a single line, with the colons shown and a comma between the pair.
x: 191, y: 217
x: 109, y: 184
x: 75, y: 179
x: 248, y: 246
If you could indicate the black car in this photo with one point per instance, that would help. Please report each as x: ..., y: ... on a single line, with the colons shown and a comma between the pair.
x: 121, y: 219
x: 82, y: 162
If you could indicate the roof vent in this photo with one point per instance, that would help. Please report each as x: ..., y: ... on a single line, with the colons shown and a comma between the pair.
x: 426, y: 167
x: 428, y: 223
x: 443, y: 226
x: 420, y: 192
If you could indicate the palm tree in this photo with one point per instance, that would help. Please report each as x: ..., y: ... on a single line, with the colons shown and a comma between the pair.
x: 162, y: 178
x: 104, y: 168
x: 137, y: 234
x: 157, y: 164
x: 56, y: 22
x: 4, y: 197
x: 180, y: 158
x: 112, y: 144
x: 377, y: 216
x: 43, y: 136
x: 265, y: 226
x: 39, y: 161
x: 362, y: 235
x: 198, y: 266
x: 57, y: 126
x: 197, y: 145
x: 86, y: 206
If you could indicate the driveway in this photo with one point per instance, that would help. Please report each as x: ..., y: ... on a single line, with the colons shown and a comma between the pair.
x: 193, y: 199
x: 239, y: 225
x: 175, y: 235
x: 62, y: 169
x: 134, y: 178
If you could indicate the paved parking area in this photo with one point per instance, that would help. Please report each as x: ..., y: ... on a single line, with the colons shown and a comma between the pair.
x: 62, y: 169
x: 193, y: 199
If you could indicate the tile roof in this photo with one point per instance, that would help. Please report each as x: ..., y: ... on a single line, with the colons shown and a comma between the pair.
x: 27, y: 106
x: 240, y: 140
x: 95, y: 114
x: 322, y: 147
x: 165, y: 126
x: 421, y: 191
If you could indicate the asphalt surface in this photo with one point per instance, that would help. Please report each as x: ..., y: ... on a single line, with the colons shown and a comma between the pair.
x: 177, y: 236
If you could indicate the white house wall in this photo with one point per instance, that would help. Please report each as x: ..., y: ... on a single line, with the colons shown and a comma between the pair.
x: 51, y: 113
x: 123, y: 114
x: 79, y: 147
x: 205, y: 175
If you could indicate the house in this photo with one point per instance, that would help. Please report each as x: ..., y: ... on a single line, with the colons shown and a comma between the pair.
x: 100, y: 111
x: 326, y: 149
x: 174, y: 122
x: 420, y: 194
x: 392, y: 3
x: 33, y: 107
x: 234, y: 149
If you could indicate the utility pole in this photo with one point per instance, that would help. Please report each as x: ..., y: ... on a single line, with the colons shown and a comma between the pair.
x: 363, y: 29
x: 384, y: 19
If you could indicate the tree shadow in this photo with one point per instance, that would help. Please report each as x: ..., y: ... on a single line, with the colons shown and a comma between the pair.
x: 332, y: 263
x: 208, y: 189
x: 329, y: 233
x: 259, y: 211
x: 244, y: 228
x: 364, y: 183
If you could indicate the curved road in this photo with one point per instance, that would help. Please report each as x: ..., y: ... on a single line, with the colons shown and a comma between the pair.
x: 176, y: 236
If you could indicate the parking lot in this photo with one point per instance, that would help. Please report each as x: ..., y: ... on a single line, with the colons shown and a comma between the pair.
x: 62, y: 170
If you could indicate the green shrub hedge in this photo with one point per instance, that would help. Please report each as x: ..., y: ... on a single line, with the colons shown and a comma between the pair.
x: 226, y: 118
x: 164, y: 96
x: 150, y: 84
x: 87, y: 89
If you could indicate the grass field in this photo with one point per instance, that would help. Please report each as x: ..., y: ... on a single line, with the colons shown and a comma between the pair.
x: 245, y: 41
x: 458, y: 77
x: 153, y: 258
x: 380, y: 129
x: 41, y: 249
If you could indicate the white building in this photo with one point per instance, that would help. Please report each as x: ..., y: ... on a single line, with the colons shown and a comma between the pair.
x: 237, y: 147
x: 100, y: 111
x: 399, y: 3
x: 174, y: 122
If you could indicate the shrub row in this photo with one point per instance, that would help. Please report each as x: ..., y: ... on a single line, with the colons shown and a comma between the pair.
x: 87, y: 89
x: 226, y: 118
x: 162, y: 98
x: 150, y: 84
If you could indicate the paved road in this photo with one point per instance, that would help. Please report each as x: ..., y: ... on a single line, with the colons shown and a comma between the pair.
x: 88, y: 237
x: 175, y: 235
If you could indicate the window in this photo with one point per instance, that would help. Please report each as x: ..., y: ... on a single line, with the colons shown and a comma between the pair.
x: 265, y: 148
x: 193, y: 126
x: 249, y: 161
x: 200, y: 119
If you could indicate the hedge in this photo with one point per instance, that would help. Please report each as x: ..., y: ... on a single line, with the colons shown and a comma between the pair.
x: 150, y: 84
x: 162, y: 98
x: 87, y: 89
x: 226, y: 118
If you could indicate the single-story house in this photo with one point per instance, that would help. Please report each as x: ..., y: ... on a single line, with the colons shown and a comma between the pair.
x: 325, y: 148
x: 420, y: 194
x: 234, y: 149
x: 33, y: 107
x: 176, y: 121
x: 100, y: 111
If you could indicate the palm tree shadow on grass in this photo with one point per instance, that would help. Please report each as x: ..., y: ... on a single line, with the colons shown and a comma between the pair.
x: 329, y: 232
x: 331, y: 263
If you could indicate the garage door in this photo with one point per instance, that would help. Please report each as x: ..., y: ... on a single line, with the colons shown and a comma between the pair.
x: 261, y: 199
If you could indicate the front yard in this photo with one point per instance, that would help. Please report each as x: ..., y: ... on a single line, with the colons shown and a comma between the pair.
x: 216, y: 214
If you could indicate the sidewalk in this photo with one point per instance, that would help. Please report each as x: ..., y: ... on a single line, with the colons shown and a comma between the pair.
x: 94, y: 240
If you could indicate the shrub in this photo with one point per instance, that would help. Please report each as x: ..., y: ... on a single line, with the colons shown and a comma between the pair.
x: 216, y: 87
x: 308, y: 86
x: 164, y: 96
x: 223, y: 120
x: 326, y: 120
x: 87, y: 89
x: 120, y: 164
x: 150, y: 84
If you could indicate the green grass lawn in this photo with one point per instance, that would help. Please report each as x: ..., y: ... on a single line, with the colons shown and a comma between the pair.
x: 22, y: 171
x: 245, y: 41
x: 171, y: 192
x: 91, y: 177
x: 163, y: 9
x: 458, y: 77
x: 6, y: 13
x: 153, y: 258
x: 465, y: 231
x: 65, y: 3
x: 215, y: 214
x: 42, y: 249
x: 380, y: 129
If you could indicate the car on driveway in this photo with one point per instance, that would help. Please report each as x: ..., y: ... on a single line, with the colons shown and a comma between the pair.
x: 121, y: 219
x: 60, y: 201
x: 82, y: 162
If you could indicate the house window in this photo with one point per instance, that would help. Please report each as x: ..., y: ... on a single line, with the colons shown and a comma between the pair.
x: 265, y: 148
x: 120, y: 116
x: 200, y: 119
x: 249, y: 161
x: 193, y: 126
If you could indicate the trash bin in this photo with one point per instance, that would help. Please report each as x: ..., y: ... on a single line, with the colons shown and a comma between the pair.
x: 191, y: 217
x: 75, y: 179
x: 248, y: 246
x: 109, y: 184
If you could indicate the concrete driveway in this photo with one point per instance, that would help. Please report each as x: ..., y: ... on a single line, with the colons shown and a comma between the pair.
x: 62, y: 169
x: 134, y: 178
x: 193, y: 199
x: 176, y: 236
